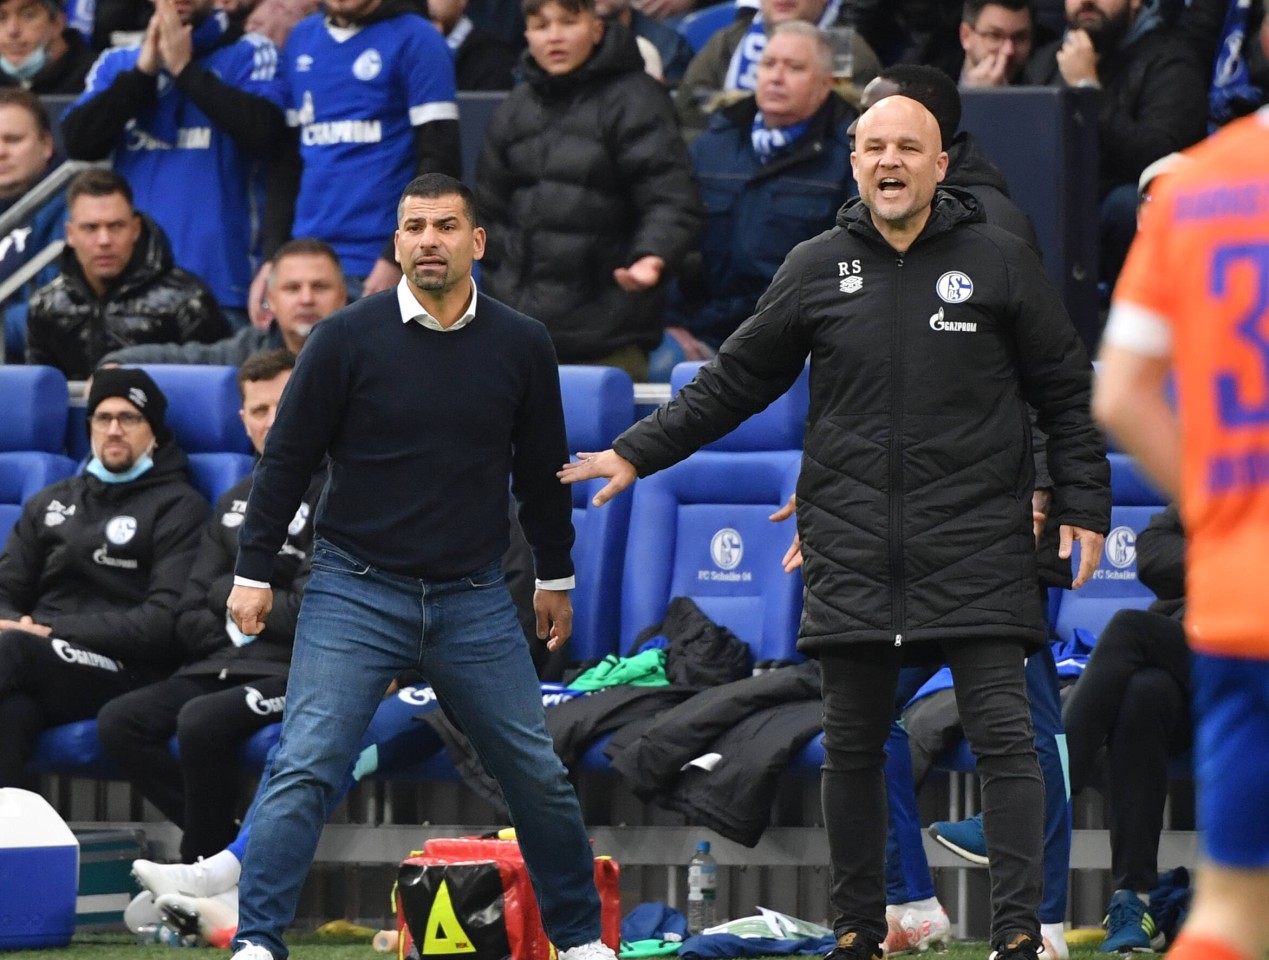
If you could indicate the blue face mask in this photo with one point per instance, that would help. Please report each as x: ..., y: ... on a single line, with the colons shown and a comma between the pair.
x: 142, y: 464
x: 28, y: 67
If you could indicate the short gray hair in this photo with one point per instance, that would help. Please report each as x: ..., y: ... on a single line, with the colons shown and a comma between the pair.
x: 800, y: 28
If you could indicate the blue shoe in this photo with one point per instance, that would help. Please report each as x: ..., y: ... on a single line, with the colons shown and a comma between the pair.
x: 1129, y: 926
x: 964, y: 838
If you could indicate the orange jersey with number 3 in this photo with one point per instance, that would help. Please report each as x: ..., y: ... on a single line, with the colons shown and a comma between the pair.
x: 1201, y: 264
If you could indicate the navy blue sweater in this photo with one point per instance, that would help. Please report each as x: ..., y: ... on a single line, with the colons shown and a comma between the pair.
x: 423, y: 429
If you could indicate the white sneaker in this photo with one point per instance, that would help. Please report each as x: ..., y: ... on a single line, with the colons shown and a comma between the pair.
x: 252, y: 951
x: 189, y: 879
x: 215, y: 919
x: 141, y: 912
x: 595, y: 950
x: 914, y: 929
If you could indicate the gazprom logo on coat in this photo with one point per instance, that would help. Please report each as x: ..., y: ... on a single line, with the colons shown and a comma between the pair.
x: 727, y: 548
x: 954, y: 287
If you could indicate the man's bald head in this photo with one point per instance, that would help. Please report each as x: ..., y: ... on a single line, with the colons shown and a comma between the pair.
x: 898, y: 161
x: 903, y: 112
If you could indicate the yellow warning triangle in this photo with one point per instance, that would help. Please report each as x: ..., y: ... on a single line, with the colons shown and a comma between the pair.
x: 445, y: 934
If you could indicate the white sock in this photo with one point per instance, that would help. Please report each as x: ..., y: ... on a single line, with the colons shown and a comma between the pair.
x: 223, y: 871
x: 1143, y: 897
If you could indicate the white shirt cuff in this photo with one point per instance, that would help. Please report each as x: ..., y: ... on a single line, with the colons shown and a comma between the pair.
x: 246, y: 582
x: 564, y: 583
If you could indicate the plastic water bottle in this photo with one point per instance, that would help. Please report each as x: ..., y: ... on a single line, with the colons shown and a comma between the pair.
x: 161, y: 933
x: 702, y: 890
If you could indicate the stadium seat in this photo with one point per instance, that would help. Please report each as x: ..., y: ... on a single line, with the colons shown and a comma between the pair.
x: 1129, y: 486
x: 779, y: 427
x: 35, y: 404
x: 32, y: 434
x: 598, y: 405
x: 212, y: 474
x: 699, y: 529
x: 202, y: 406
x: 72, y: 749
x: 699, y: 26
x: 23, y: 473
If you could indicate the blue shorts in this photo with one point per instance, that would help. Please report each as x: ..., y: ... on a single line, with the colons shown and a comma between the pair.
x: 1231, y: 759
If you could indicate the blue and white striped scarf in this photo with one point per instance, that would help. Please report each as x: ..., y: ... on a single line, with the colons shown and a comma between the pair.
x: 769, y: 142
x: 742, y: 72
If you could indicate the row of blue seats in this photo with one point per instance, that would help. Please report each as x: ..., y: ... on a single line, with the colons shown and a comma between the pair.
x: 699, y: 529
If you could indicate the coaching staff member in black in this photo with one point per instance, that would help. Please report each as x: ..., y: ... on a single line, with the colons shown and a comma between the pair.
x: 929, y: 331
x: 426, y: 397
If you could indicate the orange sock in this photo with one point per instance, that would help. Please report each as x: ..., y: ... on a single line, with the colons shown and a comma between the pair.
x: 1196, y: 946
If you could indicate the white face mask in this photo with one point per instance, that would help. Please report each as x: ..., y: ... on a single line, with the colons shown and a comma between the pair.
x: 28, y: 67
x: 140, y: 466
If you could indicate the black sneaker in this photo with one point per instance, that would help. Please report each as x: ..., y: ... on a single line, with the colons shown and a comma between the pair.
x: 854, y: 946
x: 1019, y: 946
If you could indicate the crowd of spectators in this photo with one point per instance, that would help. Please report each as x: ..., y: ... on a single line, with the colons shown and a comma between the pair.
x: 633, y: 190
x: 280, y: 120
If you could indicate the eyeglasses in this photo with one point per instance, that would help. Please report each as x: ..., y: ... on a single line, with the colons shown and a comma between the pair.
x: 998, y: 38
x: 127, y: 420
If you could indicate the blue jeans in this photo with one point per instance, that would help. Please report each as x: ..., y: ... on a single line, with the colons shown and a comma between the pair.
x: 358, y: 628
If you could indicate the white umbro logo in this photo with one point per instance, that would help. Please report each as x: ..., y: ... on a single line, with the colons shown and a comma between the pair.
x: 303, y: 63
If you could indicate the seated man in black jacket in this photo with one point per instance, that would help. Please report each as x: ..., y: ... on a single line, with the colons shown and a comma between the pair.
x: 1133, y: 699
x: 118, y: 285
x: 230, y: 686
x: 93, y: 570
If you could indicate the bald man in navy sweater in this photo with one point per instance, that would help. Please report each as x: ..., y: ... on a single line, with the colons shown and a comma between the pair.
x: 426, y: 398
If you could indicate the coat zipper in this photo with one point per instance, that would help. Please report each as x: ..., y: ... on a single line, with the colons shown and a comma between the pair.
x: 896, y: 461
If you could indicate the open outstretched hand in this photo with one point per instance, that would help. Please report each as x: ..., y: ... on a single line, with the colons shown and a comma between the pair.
x: 612, y: 466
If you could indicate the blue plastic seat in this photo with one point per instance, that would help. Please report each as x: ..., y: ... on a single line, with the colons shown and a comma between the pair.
x: 700, y: 530
x: 697, y: 27
x: 781, y: 426
x: 212, y: 474
x: 72, y: 749
x: 598, y: 405
x: 32, y: 434
x: 202, y: 413
x: 202, y: 406
x: 1129, y: 486
x: 22, y: 474
x: 34, y: 400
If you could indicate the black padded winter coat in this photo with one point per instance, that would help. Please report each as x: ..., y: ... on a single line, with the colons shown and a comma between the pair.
x: 152, y: 301
x: 914, y: 499
x: 581, y: 174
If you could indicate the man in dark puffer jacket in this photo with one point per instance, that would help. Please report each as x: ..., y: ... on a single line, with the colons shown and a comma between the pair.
x: 929, y: 331
x: 118, y: 285
x: 586, y: 190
